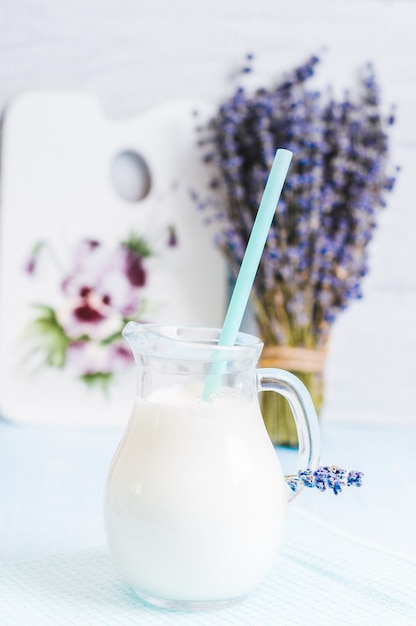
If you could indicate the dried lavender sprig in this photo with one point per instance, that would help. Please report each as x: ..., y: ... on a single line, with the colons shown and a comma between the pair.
x: 325, y: 477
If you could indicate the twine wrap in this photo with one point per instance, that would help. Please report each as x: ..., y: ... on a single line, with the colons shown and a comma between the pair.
x: 308, y: 360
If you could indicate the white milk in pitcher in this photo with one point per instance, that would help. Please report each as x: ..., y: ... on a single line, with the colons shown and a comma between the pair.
x: 196, y: 501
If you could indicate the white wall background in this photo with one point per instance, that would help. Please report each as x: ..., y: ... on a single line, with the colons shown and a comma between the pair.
x: 135, y: 54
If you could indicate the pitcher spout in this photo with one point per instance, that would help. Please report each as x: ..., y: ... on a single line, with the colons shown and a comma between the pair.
x: 133, y: 333
x: 151, y: 340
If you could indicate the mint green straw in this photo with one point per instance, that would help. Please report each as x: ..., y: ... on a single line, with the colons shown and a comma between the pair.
x: 252, y: 256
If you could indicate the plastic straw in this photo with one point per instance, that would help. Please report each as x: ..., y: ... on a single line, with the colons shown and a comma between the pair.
x: 255, y: 246
x: 252, y: 256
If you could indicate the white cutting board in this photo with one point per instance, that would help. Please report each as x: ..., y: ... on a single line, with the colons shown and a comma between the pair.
x: 58, y: 151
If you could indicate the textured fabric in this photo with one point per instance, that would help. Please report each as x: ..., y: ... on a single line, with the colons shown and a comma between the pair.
x: 320, y: 577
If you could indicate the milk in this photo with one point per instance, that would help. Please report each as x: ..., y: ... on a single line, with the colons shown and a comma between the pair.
x: 195, y: 501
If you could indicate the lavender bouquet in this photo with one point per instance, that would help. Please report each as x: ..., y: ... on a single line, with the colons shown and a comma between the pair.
x: 317, y: 250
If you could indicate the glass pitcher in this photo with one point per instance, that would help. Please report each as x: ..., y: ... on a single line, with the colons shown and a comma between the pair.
x: 196, y: 500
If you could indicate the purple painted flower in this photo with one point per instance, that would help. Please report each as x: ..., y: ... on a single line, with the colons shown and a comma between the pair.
x: 32, y: 262
x: 100, y: 292
x: 86, y: 357
x: 134, y: 269
x: 89, y: 316
x: 172, y: 236
x: 111, y: 277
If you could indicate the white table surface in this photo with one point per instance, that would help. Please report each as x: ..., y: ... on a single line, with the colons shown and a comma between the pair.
x: 52, y: 481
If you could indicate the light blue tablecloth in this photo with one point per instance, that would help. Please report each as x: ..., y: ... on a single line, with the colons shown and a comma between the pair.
x: 320, y: 577
x: 347, y: 559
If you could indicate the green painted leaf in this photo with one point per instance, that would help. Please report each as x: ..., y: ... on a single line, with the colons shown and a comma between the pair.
x: 139, y: 245
x: 98, y: 379
x: 49, y: 337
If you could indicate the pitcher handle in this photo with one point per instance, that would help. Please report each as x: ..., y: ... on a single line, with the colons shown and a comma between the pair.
x: 304, y: 414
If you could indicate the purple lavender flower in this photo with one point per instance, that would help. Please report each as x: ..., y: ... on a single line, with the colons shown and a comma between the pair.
x: 317, y: 252
x: 325, y: 477
x: 306, y: 477
x: 354, y: 478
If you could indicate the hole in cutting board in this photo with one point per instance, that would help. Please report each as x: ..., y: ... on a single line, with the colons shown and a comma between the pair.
x: 130, y: 176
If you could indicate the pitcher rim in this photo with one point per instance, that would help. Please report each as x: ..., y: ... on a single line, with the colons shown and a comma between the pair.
x: 177, y: 336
